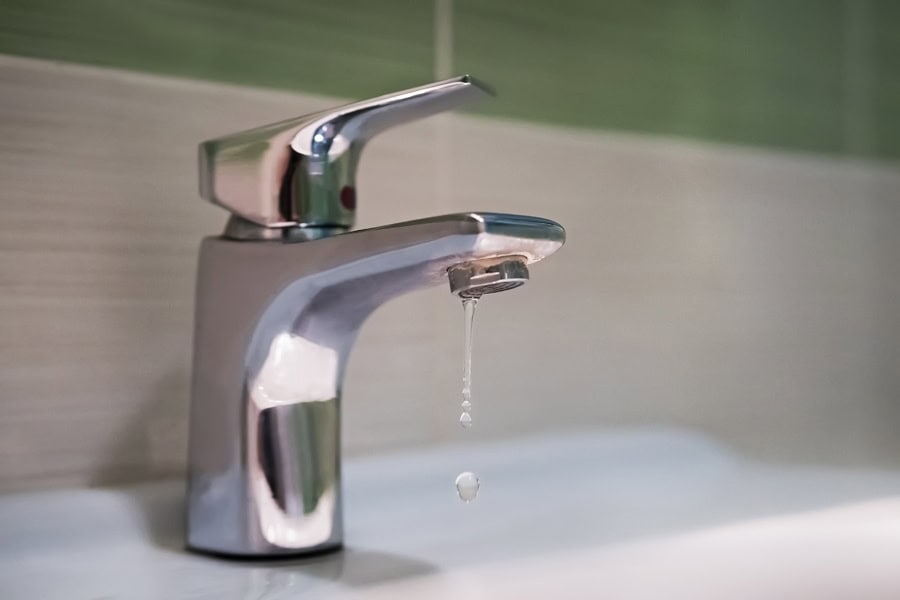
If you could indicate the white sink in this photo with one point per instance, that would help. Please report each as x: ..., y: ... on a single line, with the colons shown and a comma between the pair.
x: 612, y: 514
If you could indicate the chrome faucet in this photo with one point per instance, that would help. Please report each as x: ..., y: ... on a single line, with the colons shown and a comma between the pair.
x: 281, y: 296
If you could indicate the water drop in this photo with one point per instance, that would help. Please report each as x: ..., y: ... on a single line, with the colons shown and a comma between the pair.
x: 466, y: 406
x: 467, y: 485
x: 465, y: 420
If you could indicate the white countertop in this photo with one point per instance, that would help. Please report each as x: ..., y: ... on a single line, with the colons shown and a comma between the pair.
x: 617, y: 514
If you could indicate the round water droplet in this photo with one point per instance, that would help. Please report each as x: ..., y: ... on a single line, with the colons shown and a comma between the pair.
x: 467, y: 485
x: 466, y: 406
x: 465, y: 420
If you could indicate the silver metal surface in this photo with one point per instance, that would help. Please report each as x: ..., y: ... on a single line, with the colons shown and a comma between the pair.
x: 474, y: 279
x: 274, y: 325
x: 302, y: 172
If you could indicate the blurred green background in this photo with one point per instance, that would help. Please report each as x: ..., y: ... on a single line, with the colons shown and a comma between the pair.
x: 807, y: 75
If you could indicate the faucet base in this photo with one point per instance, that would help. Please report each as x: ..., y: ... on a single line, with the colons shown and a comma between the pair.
x: 310, y: 553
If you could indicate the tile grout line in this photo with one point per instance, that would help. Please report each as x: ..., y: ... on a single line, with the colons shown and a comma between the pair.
x: 443, y: 39
x: 858, y: 132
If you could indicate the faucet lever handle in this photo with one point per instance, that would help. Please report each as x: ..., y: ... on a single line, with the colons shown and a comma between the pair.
x: 302, y: 172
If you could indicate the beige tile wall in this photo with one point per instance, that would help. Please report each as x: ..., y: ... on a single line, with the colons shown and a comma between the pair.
x: 753, y: 295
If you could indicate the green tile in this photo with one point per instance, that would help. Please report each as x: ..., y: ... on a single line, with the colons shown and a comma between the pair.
x: 886, y: 77
x: 808, y: 75
x: 349, y: 48
x: 761, y: 72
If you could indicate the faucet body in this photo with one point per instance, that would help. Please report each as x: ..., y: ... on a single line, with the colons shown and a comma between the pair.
x: 275, y: 323
x: 281, y: 297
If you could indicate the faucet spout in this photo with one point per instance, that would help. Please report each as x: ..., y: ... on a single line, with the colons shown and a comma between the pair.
x: 275, y: 323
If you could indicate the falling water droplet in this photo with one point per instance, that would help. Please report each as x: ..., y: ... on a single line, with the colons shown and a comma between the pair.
x: 465, y: 420
x: 466, y: 406
x: 467, y: 485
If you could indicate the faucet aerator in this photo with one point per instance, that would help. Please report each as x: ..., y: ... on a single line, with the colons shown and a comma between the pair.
x: 474, y: 279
